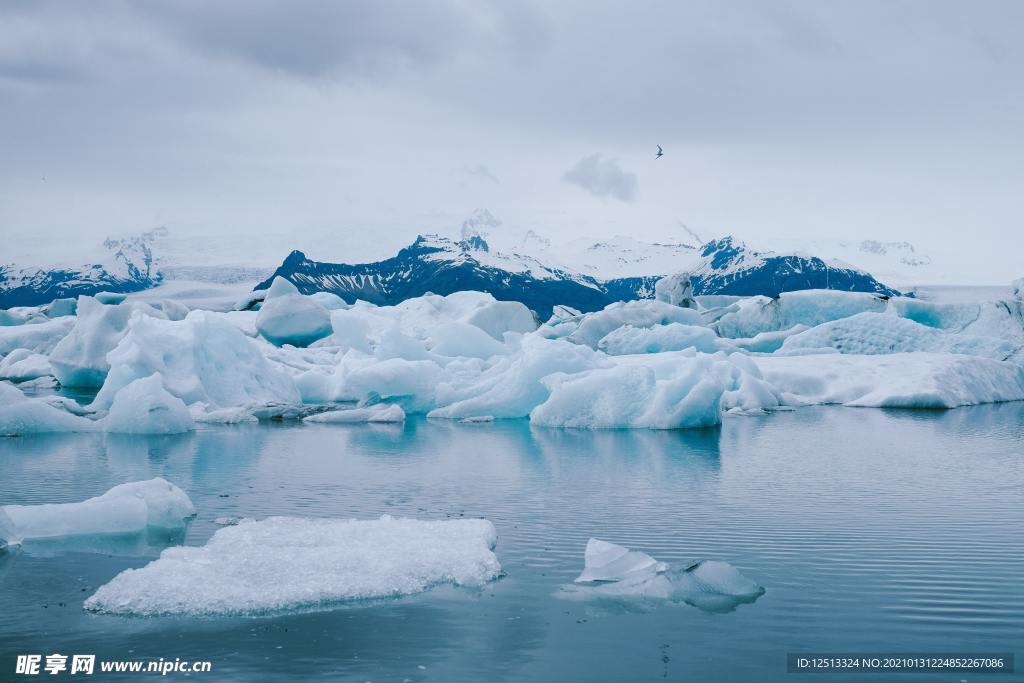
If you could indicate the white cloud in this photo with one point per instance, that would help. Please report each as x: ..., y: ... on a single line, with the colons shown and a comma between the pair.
x: 603, y: 178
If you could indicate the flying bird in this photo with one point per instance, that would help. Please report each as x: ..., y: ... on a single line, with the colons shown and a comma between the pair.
x: 659, y: 154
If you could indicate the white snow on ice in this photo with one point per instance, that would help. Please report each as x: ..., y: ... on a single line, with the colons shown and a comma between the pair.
x: 285, y: 563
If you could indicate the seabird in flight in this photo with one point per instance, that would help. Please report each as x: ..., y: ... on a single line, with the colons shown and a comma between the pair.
x: 659, y: 154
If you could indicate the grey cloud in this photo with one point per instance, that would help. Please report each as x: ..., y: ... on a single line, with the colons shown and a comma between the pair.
x: 248, y: 116
x: 315, y: 39
x: 603, y: 178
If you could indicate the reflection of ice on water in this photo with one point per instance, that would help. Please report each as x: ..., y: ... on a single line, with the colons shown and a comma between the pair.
x: 613, y: 572
x: 147, y: 543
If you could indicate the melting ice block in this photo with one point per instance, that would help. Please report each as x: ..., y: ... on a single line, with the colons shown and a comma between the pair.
x: 127, y: 508
x: 612, y: 571
x: 297, y: 563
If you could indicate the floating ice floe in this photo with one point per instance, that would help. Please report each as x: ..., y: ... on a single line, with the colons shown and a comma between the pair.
x: 20, y: 415
x: 284, y: 563
x: 613, y: 572
x: 126, y: 508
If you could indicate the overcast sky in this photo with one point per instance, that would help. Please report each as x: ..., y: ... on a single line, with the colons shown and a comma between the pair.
x: 374, y: 120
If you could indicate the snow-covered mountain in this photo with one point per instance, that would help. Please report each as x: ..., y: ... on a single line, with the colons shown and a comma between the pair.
x: 897, y: 262
x: 122, y: 265
x: 585, y: 274
x: 441, y: 265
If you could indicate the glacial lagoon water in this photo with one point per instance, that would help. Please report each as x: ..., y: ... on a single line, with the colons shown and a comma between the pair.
x: 871, y: 530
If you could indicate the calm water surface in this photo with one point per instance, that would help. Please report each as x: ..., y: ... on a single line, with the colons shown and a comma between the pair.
x: 870, y: 529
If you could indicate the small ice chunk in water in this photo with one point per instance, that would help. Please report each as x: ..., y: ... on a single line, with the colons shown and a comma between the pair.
x: 612, y: 571
x: 713, y: 585
x: 127, y: 508
x: 296, y: 563
x: 227, y: 520
x: 604, y: 561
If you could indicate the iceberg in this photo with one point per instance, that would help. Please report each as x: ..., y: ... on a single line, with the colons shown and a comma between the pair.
x: 126, y: 508
x: 80, y: 358
x: 21, y: 415
x: 60, y: 307
x: 688, y: 394
x: 627, y: 340
x: 885, y: 333
x: 811, y: 307
x: 650, y: 364
x: 463, y: 339
x: 287, y: 317
x: 594, y: 326
x: 203, y: 358
x: 145, y: 407
x: 514, y: 385
x: 287, y: 563
x: 614, y: 572
x: 897, y: 380
x: 332, y: 302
